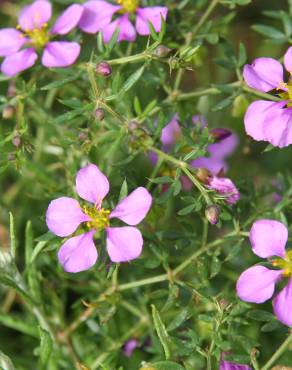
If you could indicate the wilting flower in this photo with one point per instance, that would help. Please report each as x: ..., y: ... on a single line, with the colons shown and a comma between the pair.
x: 21, y: 46
x: 64, y: 215
x: 225, y: 187
x: 227, y: 365
x: 98, y: 14
x: 257, y: 284
x: 267, y: 120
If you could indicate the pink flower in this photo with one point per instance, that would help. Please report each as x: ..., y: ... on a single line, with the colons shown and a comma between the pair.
x: 64, y: 215
x: 227, y: 365
x: 98, y: 14
x: 267, y: 120
x: 225, y: 187
x: 129, y: 347
x: 257, y: 284
x: 20, y: 46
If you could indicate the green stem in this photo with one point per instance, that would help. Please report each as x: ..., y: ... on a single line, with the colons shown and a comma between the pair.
x: 205, y: 16
x: 198, y: 185
x: 278, y: 353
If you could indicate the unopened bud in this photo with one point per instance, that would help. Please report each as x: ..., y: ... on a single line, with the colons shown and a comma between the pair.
x: 8, y: 112
x: 103, y: 69
x: 212, y: 213
x: 82, y: 136
x: 16, y: 141
x: 219, y: 134
x: 162, y: 51
x: 11, y: 91
x: 11, y: 156
x: 133, y: 125
x: 99, y: 114
x: 203, y: 175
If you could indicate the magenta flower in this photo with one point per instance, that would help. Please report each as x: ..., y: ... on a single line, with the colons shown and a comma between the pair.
x: 129, y: 347
x: 64, y: 215
x: 20, y: 47
x: 224, y: 186
x: 227, y: 365
x: 257, y: 284
x: 267, y: 120
x: 98, y: 14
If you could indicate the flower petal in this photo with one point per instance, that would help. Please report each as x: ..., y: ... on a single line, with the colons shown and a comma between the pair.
x: 91, y: 184
x: 18, y: 62
x: 170, y: 133
x: 35, y: 15
x: 60, y: 54
x: 277, y: 127
x: 64, y: 215
x: 150, y: 14
x: 123, y: 243
x: 78, y: 253
x: 283, y: 305
x: 257, y: 284
x: 264, y: 74
x: 268, y: 238
x: 67, y: 20
x: 227, y: 365
x: 127, y: 31
x: 134, y: 207
x: 223, y: 148
x: 96, y: 15
x: 11, y: 41
x: 255, y: 116
x: 288, y: 59
x: 211, y: 164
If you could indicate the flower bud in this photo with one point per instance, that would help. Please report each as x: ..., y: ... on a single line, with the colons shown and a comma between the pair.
x: 8, y: 112
x: 16, y: 141
x: 99, y: 114
x: 103, y: 69
x: 10, y: 156
x: 133, y: 125
x: 11, y: 91
x: 212, y: 213
x: 82, y: 136
x: 220, y: 134
x: 162, y: 51
x: 203, y: 175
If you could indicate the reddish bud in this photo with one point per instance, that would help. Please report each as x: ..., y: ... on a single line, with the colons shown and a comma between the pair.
x: 212, y: 213
x: 16, y: 141
x: 99, y: 114
x: 162, y: 51
x: 220, y: 134
x: 103, y: 69
x: 8, y: 112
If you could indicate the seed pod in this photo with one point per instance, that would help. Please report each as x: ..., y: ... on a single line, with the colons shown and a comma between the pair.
x: 212, y: 213
x: 8, y: 112
x: 99, y: 114
x: 103, y: 69
x: 162, y: 51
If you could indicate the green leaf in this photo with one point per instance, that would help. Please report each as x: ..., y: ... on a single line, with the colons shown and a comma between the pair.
x: 124, y: 190
x: 179, y: 319
x: 5, y: 362
x: 46, y: 346
x: 186, y: 210
x: 260, y: 315
x: 18, y: 324
x: 162, y: 180
x: 161, y: 332
x: 60, y: 83
x: 269, y: 32
x: 12, y: 235
x: 241, y: 55
x: 222, y: 104
x: 167, y: 365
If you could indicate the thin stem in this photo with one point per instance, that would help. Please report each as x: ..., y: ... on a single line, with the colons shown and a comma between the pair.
x: 205, y: 16
x: 261, y: 94
x: 198, y: 185
x: 278, y: 353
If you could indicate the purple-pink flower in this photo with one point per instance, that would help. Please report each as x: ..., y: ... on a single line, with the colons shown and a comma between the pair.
x: 257, y: 284
x: 268, y: 120
x: 20, y: 47
x: 98, y: 17
x: 224, y: 186
x: 64, y: 215
x: 227, y: 365
x: 129, y: 347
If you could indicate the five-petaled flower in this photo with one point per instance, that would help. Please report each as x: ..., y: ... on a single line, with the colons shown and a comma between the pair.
x: 257, y: 284
x: 268, y: 120
x: 20, y: 47
x: 64, y: 215
x: 98, y: 14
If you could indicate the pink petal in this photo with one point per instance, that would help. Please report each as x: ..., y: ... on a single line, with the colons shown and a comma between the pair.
x: 268, y: 238
x: 288, y: 59
x: 201, y: 120
x: 255, y: 117
x: 224, y: 147
x: 18, y: 62
x: 127, y: 31
x: 96, y: 15
x: 264, y: 74
x: 171, y: 133
x: 60, y: 54
x: 11, y: 41
x: 277, y: 127
x: 227, y: 365
x: 35, y: 15
x: 257, y: 284
x: 151, y: 14
x: 134, y: 207
x: 123, y: 243
x: 64, y: 215
x: 78, y: 253
x: 91, y: 184
x: 212, y: 164
x: 283, y: 305
x: 68, y: 20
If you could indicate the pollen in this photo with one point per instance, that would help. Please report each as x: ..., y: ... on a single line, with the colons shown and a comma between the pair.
x: 129, y: 6
x: 39, y: 37
x: 99, y: 217
x: 284, y: 264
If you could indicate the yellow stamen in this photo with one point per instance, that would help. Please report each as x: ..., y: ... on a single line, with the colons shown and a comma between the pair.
x: 129, y: 6
x: 98, y: 217
x: 284, y: 264
x: 39, y: 37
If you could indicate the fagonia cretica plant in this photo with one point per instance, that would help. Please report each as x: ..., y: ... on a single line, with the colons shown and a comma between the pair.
x: 145, y: 177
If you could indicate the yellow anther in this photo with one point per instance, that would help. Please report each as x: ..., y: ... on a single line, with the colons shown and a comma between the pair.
x: 129, y: 6
x: 98, y: 217
x: 284, y: 264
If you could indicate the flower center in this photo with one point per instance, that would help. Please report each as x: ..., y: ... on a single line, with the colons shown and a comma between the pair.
x: 284, y: 264
x: 39, y: 37
x: 129, y: 6
x: 99, y: 217
x: 286, y: 95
